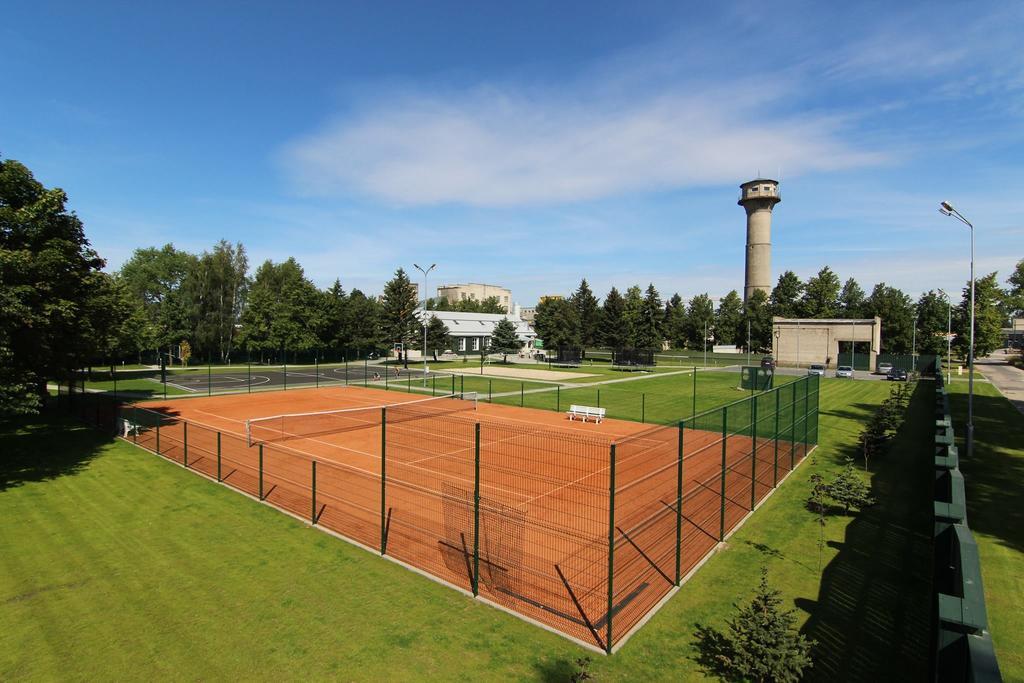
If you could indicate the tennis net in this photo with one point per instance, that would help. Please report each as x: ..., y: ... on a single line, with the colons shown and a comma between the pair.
x: 302, y: 425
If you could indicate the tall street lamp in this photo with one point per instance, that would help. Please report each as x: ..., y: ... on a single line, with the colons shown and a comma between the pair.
x: 946, y: 209
x: 913, y: 347
x: 949, y: 335
x: 425, y: 273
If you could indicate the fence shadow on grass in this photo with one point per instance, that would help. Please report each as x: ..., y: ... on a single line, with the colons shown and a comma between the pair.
x: 871, y: 618
x: 40, y: 448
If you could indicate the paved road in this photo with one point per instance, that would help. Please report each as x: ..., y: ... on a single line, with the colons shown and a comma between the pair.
x: 1008, y: 379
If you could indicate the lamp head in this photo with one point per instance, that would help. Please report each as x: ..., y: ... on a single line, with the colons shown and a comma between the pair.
x: 946, y: 208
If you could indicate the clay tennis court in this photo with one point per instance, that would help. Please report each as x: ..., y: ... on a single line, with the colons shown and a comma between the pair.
x: 555, y: 518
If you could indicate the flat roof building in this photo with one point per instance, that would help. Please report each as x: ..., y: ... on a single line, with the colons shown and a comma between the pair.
x: 475, y: 291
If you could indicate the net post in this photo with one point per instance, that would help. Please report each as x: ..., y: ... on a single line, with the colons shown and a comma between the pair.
x: 476, y: 513
x: 725, y: 441
x: 312, y: 509
x: 218, y: 456
x: 261, y: 472
x: 383, y: 480
x: 184, y: 426
x: 611, y: 548
x: 753, y: 452
x: 775, y: 462
x: 679, y: 503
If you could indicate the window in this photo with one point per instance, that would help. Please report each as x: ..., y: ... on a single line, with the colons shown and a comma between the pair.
x: 463, y: 295
x: 462, y: 343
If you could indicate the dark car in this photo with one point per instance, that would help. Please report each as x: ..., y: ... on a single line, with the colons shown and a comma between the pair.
x: 896, y: 375
x: 768, y: 363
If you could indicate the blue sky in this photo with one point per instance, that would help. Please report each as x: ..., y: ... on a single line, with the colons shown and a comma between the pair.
x: 530, y: 144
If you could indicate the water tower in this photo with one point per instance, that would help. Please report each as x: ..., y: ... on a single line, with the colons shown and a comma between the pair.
x: 758, y: 198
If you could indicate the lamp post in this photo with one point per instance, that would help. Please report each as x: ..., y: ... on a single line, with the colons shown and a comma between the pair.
x: 425, y: 273
x: 949, y: 334
x: 946, y: 209
x: 913, y: 347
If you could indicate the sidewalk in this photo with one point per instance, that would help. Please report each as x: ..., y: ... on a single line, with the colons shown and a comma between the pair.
x: 1008, y: 379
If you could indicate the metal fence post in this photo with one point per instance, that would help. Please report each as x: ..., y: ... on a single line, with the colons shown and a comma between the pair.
x: 316, y: 371
x: 725, y: 439
x: 209, y: 377
x: 679, y: 503
x: 158, y: 438
x: 135, y: 424
x: 611, y: 548
x: 775, y: 464
x: 312, y: 510
x: 694, y: 391
x: 218, y: 456
x: 754, y: 451
x: 249, y: 375
x: 807, y: 406
x: 284, y: 369
x: 558, y: 398
x: 792, y: 428
x: 599, y: 397
x: 261, y: 472
x: 346, y: 372
x: 522, y: 393
x: 643, y: 408
x: 184, y: 426
x: 383, y: 480
x: 476, y: 513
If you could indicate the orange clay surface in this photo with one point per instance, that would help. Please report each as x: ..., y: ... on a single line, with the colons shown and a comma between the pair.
x: 544, y: 489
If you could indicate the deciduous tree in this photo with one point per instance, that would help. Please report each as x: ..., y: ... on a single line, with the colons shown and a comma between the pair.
x: 728, y: 319
x: 785, y: 297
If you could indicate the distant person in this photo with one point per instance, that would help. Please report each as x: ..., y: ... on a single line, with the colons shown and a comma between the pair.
x: 376, y: 376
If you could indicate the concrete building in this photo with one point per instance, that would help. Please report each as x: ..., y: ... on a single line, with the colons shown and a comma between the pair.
x: 802, y: 341
x: 472, y: 332
x: 529, y: 314
x: 474, y: 291
x: 758, y: 198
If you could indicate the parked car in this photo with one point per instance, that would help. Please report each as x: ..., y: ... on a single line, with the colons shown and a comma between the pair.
x: 896, y: 375
x: 768, y: 362
x: 816, y: 369
x: 883, y: 368
x: 844, y: 371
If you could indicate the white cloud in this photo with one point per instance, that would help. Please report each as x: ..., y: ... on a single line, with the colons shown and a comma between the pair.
x: 503, y: 148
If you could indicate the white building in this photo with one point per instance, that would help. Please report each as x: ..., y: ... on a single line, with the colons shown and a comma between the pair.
x: 472, y: 332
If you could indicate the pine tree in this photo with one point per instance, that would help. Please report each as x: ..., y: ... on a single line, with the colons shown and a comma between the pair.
x: 588, y: 313
x: 849, y: 490
x: 439, y: 336
x: 728, y: 319
x: 398, y: 306
x: 634, y: 302
x: 674, y: 325
x: 700, y: 316
x: 612, y: 327
x: 647, y: 330
x: 821, y: 295
x: 761, y: 643
x: 504, y: 340
x: 785, y: 297
x: 851, y: 300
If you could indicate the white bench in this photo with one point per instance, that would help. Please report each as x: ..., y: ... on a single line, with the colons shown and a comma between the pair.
x: 584, y: 412
x: 129, y: 428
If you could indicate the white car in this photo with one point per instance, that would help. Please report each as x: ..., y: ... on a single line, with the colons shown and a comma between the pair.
x: 816, y: 369
x: 844, y: 371
x: 883, y: 368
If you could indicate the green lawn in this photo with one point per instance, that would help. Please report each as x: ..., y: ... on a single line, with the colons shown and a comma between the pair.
x: 994, y: 479
x: 123, y: 565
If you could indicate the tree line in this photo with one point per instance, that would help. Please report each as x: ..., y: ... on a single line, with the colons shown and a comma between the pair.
x: 639, y: 319
x: 59, y: 311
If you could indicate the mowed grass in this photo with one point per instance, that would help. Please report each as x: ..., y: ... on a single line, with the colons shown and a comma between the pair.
x: 994, y: 479
x: 123, y: 565
x: 652, y: 399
